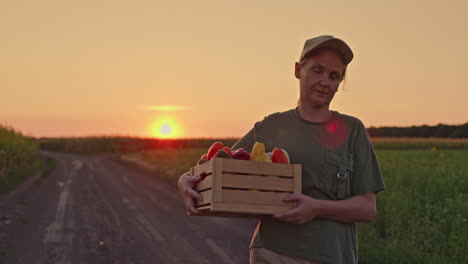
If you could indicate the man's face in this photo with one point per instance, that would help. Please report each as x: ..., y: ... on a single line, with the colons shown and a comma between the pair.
x: 319, y: 77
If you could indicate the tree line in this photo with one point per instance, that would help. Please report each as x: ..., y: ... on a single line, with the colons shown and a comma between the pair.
x: 425, y: 131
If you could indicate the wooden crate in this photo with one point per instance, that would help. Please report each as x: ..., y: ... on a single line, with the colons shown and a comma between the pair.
x: 244, y: 188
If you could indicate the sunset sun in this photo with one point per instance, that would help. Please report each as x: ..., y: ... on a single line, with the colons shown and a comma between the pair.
x: 165, y: 127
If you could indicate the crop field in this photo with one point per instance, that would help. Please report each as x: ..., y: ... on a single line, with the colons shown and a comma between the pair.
x: 19, y: 158
x: 420, y: 143
x: 96, y: 145
x: 422, y: 214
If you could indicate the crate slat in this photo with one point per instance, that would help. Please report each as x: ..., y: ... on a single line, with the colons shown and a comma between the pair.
x: 207, y: 212
x: 204, y: 208
x: 254, y: 197
x: 249, y: 208
x: 207, y: 198
x: 205, y: 168
x: 297, y: 180
x: 205, y: 184
x: 217, y: 174
x: 258, y: 168
x: 257, y: 182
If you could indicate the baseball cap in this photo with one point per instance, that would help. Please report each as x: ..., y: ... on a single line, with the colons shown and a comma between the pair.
x: 327, y: 41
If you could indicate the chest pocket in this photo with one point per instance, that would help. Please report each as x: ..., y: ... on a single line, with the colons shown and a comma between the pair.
x: 336, y: 175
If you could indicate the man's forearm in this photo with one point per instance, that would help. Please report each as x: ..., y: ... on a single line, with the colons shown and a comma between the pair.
x: 361, y: 208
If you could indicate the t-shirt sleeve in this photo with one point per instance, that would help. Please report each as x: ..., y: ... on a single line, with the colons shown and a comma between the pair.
x: 367, y: 177
x: 246, y: 142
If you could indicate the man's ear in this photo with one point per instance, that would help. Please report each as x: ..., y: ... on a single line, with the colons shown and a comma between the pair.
x: 297, y: 70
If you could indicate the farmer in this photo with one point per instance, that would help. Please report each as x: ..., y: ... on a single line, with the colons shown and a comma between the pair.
x: 340, y: 173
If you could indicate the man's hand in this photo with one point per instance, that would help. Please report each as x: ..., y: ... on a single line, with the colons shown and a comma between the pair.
x: 186, y: 187
x: 359, y: 208
x: 306, y: 210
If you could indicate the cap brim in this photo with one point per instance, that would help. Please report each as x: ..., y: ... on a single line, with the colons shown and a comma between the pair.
x: 337, y: 44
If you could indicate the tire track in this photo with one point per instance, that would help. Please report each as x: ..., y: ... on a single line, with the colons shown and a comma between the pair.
x: 58, y: 236
x: 204, y: 236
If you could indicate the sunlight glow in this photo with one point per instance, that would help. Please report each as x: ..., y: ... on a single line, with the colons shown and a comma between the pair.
x: 166, y: 127
x: 166, y: 108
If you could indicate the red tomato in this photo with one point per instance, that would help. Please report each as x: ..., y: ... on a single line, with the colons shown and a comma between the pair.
x: 214, y: 149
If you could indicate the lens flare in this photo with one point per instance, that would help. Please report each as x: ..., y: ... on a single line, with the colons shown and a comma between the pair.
x: 333, y: 135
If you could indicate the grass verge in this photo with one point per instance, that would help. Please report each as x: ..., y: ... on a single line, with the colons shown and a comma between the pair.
x: 167, y: 164
x: 21, y: 174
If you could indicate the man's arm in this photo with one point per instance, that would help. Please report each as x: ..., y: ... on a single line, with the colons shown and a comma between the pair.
x: 360, y: 208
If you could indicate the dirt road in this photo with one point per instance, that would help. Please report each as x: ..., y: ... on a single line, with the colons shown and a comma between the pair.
x: 96, y: 210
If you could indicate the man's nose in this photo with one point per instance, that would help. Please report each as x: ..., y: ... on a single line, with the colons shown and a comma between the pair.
x: 324, y: 81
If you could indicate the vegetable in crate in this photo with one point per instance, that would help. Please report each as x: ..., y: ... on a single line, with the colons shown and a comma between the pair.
x: 223, y: 154
x: 258, y: 152
x: 280, y: 156
x: 241, y: 154
x: 214, y: 150
x: 203, y: 159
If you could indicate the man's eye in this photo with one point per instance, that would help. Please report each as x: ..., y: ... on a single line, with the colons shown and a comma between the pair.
x: 334, y: 76
x: 316, y: 70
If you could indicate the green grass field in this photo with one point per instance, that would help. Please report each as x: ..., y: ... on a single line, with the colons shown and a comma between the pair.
x: 422, y: 214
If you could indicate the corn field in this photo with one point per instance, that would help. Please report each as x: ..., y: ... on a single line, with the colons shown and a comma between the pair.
x: 16, y: 151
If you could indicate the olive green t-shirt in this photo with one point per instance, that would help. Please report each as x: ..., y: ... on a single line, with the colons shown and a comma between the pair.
x: 338, y: 162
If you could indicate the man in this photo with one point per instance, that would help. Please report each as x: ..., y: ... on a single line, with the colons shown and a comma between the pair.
x: 339, y: 168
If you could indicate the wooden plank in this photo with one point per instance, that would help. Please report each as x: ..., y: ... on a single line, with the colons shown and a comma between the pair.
x: 207, y: 198
x: 258, y: 168
x: 298, y: 178
x: 217, y: 174
x: 205, y: 184
x: 257, y: 182
x: 227, y: 214
x: 205, y: 168
x: 204, y: 208
x: 204, y: 211
x: 254, y: 197
x: 249, y: 208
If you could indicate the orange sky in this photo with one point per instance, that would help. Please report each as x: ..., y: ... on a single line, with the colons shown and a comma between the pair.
x: 77, y: 68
